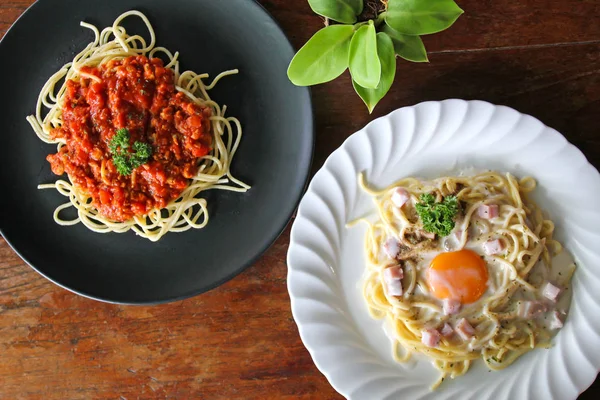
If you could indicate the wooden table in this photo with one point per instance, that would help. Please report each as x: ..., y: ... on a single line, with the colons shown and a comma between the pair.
x: 239, y: 341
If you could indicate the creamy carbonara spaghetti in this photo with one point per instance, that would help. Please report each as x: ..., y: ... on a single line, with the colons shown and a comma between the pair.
x: 463, y: 268
x: 138, y: 139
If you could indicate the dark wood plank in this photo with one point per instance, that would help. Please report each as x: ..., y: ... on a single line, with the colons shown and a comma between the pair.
x: 490, y: 24
x: 486, y: 24
x: 559, y: 85
x: 239, y: 341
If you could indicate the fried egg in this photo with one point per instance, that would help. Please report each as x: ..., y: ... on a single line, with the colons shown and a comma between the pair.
x: 458, y: 275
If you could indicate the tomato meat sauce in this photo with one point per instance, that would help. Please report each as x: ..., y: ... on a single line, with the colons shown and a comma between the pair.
x: 137, y: 94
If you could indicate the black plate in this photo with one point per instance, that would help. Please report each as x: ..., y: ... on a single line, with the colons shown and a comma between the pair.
x: 274, y: 156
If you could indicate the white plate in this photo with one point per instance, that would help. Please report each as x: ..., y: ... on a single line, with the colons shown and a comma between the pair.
x: 326, y: 260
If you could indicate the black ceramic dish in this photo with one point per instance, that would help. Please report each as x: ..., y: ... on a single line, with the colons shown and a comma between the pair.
x: 274, y: 156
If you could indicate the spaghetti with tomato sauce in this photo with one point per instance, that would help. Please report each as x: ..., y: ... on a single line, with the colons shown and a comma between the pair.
x: 139, y: 140
x: 138, y: 94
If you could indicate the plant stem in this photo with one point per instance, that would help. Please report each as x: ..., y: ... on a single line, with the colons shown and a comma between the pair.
x: 359, y: 24
x: 380, y: 19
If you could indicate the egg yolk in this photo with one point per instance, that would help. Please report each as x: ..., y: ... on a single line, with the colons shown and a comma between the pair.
x: 459, y: 275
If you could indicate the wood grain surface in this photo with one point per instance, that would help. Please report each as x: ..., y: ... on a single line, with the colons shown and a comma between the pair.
x: 239, y: 341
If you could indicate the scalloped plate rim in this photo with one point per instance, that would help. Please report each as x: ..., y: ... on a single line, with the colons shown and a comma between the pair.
x: 303, y: 327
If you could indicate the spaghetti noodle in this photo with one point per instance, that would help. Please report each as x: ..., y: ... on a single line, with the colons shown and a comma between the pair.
x: 204, y: 168
x: 522, y: 302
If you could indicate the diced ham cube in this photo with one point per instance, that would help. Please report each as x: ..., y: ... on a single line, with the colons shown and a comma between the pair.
x: 391, y: 247
x: 393, y: 273
x: 392, y: 277
x: 451, y: 306
x: 488, y: 211
x: 430, y: 337
x: 531, y: 309
x: 495, y: 246
x: 464, y: 329
x: 551, y: 292
x: 400, y: 196
x: 447, y: 330
x: 556, y: 322
x: 394, y: 288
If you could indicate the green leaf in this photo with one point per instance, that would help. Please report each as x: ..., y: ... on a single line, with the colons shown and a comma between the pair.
x: 124, y: 160
x: 122, y: 164
x: 357, y: 6
x: 120, y: 141
x: 365, y: 66
x: 142, y: 152
x: 421, y: 17
x: 437, y: 218
x: 323, y: 58
x: 409, y: 47
x: 385, y: 50
x: 344, y: 11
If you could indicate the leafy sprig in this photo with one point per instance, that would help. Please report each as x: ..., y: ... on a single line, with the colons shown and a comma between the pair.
x: 124, y: 160
x: 437, y: 218
x: 364, y: 46
x: 141, y: 154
